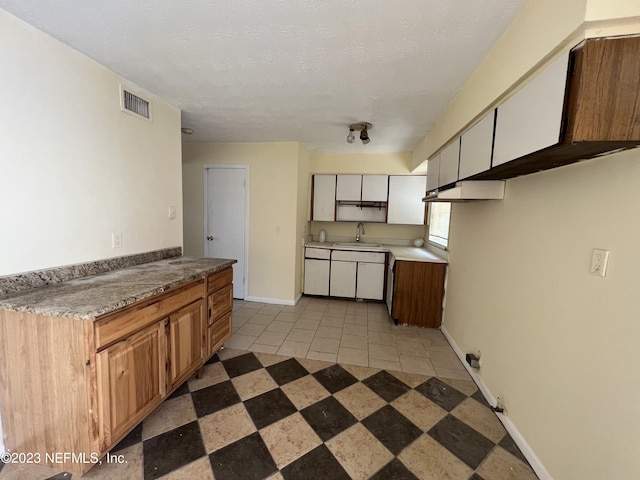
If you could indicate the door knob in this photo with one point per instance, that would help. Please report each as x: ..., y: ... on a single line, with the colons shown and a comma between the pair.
x: 210, y: 237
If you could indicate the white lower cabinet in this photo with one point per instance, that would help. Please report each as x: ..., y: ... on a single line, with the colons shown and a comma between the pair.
x: 343, y: 279
x: 316, y: 277
x: 370, y: 281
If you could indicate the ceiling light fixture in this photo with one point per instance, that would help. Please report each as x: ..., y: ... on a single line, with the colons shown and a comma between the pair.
x: 363, y: 128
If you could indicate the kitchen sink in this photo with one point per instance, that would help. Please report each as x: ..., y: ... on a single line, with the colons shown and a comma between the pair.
x: 363, y: 245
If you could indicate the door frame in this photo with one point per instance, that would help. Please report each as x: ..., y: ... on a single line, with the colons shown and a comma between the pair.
x: 207, y: 167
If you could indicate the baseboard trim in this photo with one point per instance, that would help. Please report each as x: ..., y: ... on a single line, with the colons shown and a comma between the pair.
x: 275, y: 301
x: 524, y: 447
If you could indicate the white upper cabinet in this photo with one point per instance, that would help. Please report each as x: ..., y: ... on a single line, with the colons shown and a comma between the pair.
x: 476, y: 146
x: 405, y: 199
x: 375, y: 188
x: 449, y: 159
x: 433, y: 172
x: 324, y: 198
x: 349, y: 187
x: 531, y: 119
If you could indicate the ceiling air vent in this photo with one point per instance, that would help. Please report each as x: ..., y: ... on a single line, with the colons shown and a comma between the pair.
x: 134, y: 105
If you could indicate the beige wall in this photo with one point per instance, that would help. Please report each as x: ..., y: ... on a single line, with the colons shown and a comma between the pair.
x: 273, y: 204
x: 302, y: 229
x: 74, y: 167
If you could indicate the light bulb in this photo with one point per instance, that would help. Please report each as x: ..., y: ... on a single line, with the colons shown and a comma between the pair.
x: 351, y: 137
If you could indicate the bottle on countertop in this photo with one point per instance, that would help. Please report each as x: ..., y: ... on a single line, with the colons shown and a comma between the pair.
x: 322, y: 237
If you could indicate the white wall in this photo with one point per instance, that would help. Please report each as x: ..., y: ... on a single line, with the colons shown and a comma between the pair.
x: 74, y: 168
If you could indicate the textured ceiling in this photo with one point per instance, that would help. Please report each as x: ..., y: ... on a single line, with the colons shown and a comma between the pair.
x: 287, y: 70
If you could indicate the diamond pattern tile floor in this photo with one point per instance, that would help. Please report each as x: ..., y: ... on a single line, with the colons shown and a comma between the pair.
x: 316, y: 420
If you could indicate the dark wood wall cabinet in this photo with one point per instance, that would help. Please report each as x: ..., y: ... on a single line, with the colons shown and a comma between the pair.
x: 418, y: 292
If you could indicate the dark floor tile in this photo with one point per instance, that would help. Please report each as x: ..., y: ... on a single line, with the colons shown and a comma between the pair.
x: 386, y: 385
x: 216, y: 397
x: 215, y: 358
x: 246, y: 459
x: 269, y: 407
x: 480, y: 398
x: 169, y: 451
x: 440, y: 393
x: 394, y: 470
x: 181, y: 390
x: 59, y: 476
x: 510, y: 446
x: 392, y: 428
x: 335, y: 378
x: 237, y: 366
x: 475, y: 476
x: 134, y: 436
x: 318, y: 463
x: 328, y: 418
x: 463, y: 441
x: 287, y: 371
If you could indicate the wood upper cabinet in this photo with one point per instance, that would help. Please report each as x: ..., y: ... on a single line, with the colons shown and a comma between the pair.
x: 187, y: 342
x: 418, y: 293
x: 131, y: 381
x: 324, y: 198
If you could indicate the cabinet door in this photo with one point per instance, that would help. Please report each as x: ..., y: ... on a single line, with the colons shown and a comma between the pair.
x: 131, y: 381
x: 343, y: 279
x: 476, y: 147
x: 530, y: 120
x: 418, y: 293
x: 370, y: 281
x: 218, y: 333
x: 405, y: 199
x: 324, y: 198
x: 449, y: 162
x: 433, y: 173
x: 375, y: 188
x: 220, y: 303
x: 349, y: 187
x: 316, y: 277
x: 186, y: 342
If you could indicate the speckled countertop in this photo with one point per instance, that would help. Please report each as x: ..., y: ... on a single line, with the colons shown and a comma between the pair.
x: 89, y: 297
x: 400, y: 252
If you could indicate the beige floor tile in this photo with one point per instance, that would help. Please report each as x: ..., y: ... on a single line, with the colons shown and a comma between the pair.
x: 301, y: 335
x: 294, y: 349
x: 381, y: 338
x: 170, y: 414
x: 411, y: 379
x: 305, y: 391
x: 288, y: 317
x: 480, y: 418
x: 275, y: 476
x: 312, y: 315
x: 240, y: 342
x: 352, y: 329
x: 326, y: 345
x: 383, y: 352
x: 329, y: 332
x: 355, y: 320
x: 360, y: 400
x: 332, y: 322
x: 420, y: 365
x: 239, y: 321
x: 328, y: 313
x: 420, y: 410
x: 406, y: 332
x: 253, y: 384
x: 307, y: 324
x: 23, y: 471
x: 294, y: 309
x: 324, y: 356
x: 271, y: 309
x: 197, y: 470
x: 354, y: 341
x: 316, y: 307
x: 353, y: 356
x: 375, y: 326
x: 261, y: 319
x: 243, y: 312
x: 411, y: 347
x: 452, y: 373
x: 360, y: 372
x: 313, y: 366
x: 358, y: 451
x: 501, y: 465
x: 251, y: 329
x: 267, y: 359
x: 212, y: 374
x: 280, y: 327
x: 254, y: 305
x: 256, y: 347
x: 446, y: 360
x: 228, y: 352
x: 271, y: 338
x: 428, y: 460
x: 224, y: 427
x: 132, y: 469
x: 384, y: 364
x: 289, y: 439
x: 468, y: 387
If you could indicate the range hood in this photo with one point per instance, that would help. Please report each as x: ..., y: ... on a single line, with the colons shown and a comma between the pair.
x: 469, y: 190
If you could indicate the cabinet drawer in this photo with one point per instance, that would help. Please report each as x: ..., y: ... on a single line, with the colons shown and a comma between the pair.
x: 119, y: 325
x: 320, y: 253
x: 219, y: 280
x: 353, y: 256
x: 218, y: 333
x: 220, y: 302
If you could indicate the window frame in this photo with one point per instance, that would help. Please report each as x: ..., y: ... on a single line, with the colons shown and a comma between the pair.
x: 429, y: 223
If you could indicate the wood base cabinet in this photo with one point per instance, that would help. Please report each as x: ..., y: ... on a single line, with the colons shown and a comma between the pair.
x: 418, y: 292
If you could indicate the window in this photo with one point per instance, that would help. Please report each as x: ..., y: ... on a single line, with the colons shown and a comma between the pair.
x: 439, y: 216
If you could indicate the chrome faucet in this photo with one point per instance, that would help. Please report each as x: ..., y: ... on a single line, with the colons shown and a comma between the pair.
x: 359, y: 231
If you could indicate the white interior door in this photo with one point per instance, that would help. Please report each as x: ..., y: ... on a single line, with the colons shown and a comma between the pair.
x: 226, y: 219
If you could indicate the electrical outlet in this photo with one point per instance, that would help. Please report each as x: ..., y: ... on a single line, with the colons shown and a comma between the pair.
x: 599, y: 260
x: 116, y: 240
